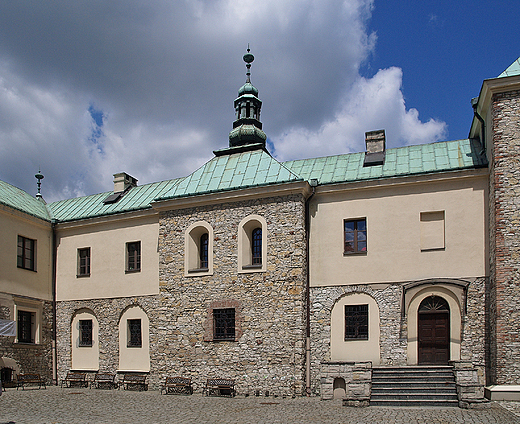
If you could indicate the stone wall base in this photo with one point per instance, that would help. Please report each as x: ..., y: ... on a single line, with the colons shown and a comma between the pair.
x: 470, y: 381
x: 356, y: 381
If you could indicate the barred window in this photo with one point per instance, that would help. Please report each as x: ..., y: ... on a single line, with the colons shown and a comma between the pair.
x: 85, y: 332
x: 224, y: 324
x: 134, y: 333
x: 356, y: 322
x: 133, y: 256
x: 26, y: 253
x: 256, y: 246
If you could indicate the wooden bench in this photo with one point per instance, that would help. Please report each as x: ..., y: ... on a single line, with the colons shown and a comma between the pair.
x: 134, y: 380
x: 104, y: 380
x: 75, y: 379
x: 219, y: 387
x: 177, y: 385
x: 24, y: 379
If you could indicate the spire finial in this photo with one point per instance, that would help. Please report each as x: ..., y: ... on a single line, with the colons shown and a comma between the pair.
x: 248, y: 58
x: 39, y: 177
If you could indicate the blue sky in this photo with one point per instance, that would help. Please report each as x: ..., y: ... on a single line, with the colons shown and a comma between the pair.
x: 89, y: 88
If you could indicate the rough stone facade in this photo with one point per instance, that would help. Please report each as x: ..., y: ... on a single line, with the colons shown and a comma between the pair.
x: 504, y: 302
x: 357, y: 377
x: 268, y: 352
x: 32, y: 358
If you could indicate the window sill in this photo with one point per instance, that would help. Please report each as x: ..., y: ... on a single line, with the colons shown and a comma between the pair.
x: 357, y: 340
x: 223, y: 340
x: 134, y: 347
x: 22, y: 345
x: 434, y: 249
x: 82, y: 275
x: 358, y: 253
x: 132, y: 271
x: 85, y: 346
x: 193, y: 271
x: 27, y: 269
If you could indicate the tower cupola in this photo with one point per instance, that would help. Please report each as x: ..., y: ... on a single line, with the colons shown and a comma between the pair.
x: 247, y: 128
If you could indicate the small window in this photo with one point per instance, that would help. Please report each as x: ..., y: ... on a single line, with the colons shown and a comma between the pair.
x: 85, y: 332
x: 26, y: 326
x: 134, y: 333
x: 355, y: 236
x: 224, y: 324
x: 356, y: 322
x: 26, y: 257
x: 133, y: 256
x: 203, y: 251
x: 84, y: 262
x: 256, y: 246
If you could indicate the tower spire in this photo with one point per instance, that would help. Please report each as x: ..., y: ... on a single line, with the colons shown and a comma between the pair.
x: 39, y: 176
x: 247, y: 128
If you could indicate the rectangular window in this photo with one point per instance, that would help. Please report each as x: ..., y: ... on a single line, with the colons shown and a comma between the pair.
x: 134, y: 333
x: 355, y: 236
x: 26, y: 253
x: 224, y: 324
x: 84, y: 262
x: 356, y: 322
x: 133, y: 256
x: 25, y: 326
x: 432, y: 230
x: 85, y: 332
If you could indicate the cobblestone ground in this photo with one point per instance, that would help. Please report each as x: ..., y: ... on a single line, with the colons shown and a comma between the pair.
x: 57, y: 405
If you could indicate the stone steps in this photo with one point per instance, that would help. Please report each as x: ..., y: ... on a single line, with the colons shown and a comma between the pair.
x: 413, y: 386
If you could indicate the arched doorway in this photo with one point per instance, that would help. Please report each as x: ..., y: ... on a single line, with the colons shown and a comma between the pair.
x: 434, y: 331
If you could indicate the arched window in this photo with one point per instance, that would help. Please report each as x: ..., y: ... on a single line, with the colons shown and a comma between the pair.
x: 203, y: 251
x: 256, y: 246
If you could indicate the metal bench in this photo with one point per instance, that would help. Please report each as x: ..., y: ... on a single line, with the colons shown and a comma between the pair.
x: 219, y: 387
x: 24, y: 379
x: 177, y: 385
x: 75, y: 379
x: 134, y: 380
x: 104, y: 380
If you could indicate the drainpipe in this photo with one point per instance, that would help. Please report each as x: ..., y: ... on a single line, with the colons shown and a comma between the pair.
x: 54, y: 314
x: 474, y: 103
x: 313, y: 183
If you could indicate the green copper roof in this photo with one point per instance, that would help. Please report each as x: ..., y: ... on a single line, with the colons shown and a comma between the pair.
x: 137, y: 198
x: 514, y: 69
x: 234, y: 171
x: 18, y: 199
x: 409, y: 160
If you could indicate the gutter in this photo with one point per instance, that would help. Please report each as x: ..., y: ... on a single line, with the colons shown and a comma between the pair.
x: 313, y: 183
x: 54, y: 306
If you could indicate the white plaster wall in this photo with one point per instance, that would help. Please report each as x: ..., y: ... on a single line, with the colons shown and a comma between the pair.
x: 107, y: 242
x: 85, y: 358
x: 394, y: 232
x: 134, y: 358
x: 18, y: 281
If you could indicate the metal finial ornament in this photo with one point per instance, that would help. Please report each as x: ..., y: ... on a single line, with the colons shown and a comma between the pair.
x: 248, y: 58
x: 39, y: 177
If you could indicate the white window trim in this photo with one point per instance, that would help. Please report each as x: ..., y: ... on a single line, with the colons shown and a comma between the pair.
x: 32, y: 307
x: 191, y: 249
x: 245, y: 228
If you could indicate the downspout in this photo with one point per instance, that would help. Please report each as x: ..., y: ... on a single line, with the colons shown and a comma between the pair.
x: 54, y: 314
x: 313, y: 183
x: 474, y: 104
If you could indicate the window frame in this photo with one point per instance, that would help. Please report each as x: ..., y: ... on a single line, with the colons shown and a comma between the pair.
x: 256, y: 246
x: 82, y: 332
x: 21, y: 257
x: 133, y: 257
x: 356, y: 322
x: 248, y: 261
x: 86, y: 267
x: 22, y: 326
x: 356, y: 250
x: 194, y: 256
x: 131, y: 332
x: 222, y: 331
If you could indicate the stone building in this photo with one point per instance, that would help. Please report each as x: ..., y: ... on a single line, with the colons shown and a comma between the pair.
x: 294, y: 277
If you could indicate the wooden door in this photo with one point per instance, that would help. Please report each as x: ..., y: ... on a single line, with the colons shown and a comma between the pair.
x: 434, y: 331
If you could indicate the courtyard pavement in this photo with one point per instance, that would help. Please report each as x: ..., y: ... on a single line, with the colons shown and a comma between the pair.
x: 78, y: 405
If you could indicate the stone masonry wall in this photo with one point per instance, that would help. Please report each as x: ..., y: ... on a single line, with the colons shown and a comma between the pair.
x: 504, y: 320
x: 268, y: 353
x: 31, y: 358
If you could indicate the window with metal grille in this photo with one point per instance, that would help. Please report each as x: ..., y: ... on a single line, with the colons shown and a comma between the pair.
x: 134, y: 333
x: 84, y: 261
x: 256, y: 246
x: 355, y: 236
x: 133, y: 256
x: 25, y: 327
x: 203, y: 251
x: 85, y: 332
x: 26, y: 253
x: 224, y: 324
x: 356, y: 322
